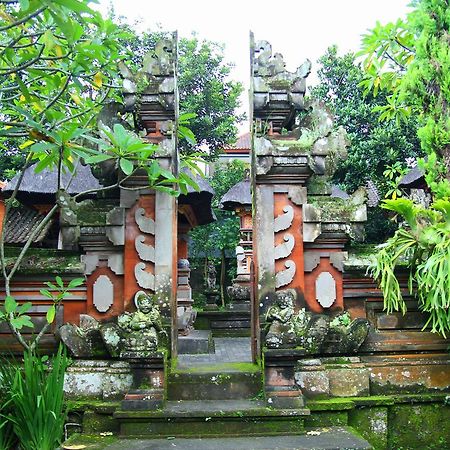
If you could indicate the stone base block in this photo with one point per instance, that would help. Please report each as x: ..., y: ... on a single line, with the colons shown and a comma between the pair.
x: 335, y: 377
x: 285, y: 398
x: 98, y: 379
x: 143, y: 400
x: 197, y: 341
x: 313, y: 384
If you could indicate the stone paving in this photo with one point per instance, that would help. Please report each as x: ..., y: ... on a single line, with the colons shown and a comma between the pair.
x: 228, y: 350
x: 332, y: 438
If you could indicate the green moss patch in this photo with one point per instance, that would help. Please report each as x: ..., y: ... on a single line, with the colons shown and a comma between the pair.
x: 91, y: 442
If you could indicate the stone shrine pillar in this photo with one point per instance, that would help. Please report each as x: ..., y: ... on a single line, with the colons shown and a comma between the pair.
x: 150, y: 253
x: 299, y: 227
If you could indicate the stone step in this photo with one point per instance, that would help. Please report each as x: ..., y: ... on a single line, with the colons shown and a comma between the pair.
x: 331, y: 438
x: 218, y: 382
x: 210, y: 418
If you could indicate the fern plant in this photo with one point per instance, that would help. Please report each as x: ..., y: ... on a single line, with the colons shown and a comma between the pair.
x: 423, y: 244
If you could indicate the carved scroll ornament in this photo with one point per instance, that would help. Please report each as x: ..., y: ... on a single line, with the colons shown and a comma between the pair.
x: 284, y: 249
x: 145, y: 251
x: 145, y: 224
x: 284, y: 277
x: 145, y: 280
x: 284, y: 221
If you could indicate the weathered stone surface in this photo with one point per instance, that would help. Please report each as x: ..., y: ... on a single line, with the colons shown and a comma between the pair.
x: 198, y: 341
x: 349, y: 382
x: 97, y: 379
x: 83, y: 341
x: 313, y: 383
x: 372, y: 424
x: 346, y: 336
x: 289, y: 330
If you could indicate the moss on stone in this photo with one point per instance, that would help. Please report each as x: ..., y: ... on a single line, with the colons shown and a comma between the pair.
x: 94, y: 422
x: 421, y: 426
x: 100, y: 406
x: 333, y: 209
x: 327, y: 419
x: 331, y: 404
x: 372, y: 424
x: 219, y: 368
x: 43, y: 260
x: 91, y: 442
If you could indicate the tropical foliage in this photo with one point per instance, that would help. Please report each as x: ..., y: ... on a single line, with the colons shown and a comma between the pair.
x: 375, y: 148
x: 32, y: 404
x: 410, y: 62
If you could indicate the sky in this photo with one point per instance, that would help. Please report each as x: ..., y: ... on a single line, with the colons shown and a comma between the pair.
x: 298, y: 29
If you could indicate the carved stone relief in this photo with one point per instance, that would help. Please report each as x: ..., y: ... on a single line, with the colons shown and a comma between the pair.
x: 145, y: 280
x: 145, y: 224
x: 284, y: 221
x: 284, y: 277
x: 145, y: 251
x: 284, y: 249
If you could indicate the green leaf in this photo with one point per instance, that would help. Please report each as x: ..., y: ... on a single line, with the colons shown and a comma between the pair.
x: 97, y: 158
x: 46, y: 293
x: 59, y: 281
x: 24, y: 307
x: 10, y: 304
x: 126, y: 165
x: 51, y: 314
x: 75, y: 283
x: 24, y: 4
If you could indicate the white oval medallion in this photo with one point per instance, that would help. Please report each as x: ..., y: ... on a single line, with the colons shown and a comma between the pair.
x: 103, y: 293
x: 325, y: 289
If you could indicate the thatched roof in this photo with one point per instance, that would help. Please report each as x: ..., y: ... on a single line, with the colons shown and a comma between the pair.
x: 238, y: 195
x: 21, y: 222
x: 412, y: 178
x: 199, y: 200
x: 46, y: 182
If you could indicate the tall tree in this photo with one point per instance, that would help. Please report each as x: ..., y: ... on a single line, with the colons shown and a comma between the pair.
x: 375, y: 146
x: 206, y: 90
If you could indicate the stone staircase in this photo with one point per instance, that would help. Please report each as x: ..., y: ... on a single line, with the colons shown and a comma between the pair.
x: 215, y: 404
x: 208, y: 401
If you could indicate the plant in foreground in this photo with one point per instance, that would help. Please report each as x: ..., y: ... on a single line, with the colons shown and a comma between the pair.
x: 423, y: 245
x: 39, y: 413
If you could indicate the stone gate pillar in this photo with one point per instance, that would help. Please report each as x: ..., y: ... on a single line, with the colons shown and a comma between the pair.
x: 279, y: 175
x: 300, y: 226
x: 150, y: 251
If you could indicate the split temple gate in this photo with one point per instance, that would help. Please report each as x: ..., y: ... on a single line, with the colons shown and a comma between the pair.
x: 318, y: 329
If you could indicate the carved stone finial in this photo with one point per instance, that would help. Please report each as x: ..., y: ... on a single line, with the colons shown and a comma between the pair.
x: 277, y: 93
x: 150, y: 92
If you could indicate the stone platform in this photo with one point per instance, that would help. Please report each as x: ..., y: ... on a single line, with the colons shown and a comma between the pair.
x: 331, y: 438
x: 227, y: 350
x: 196, y: 342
